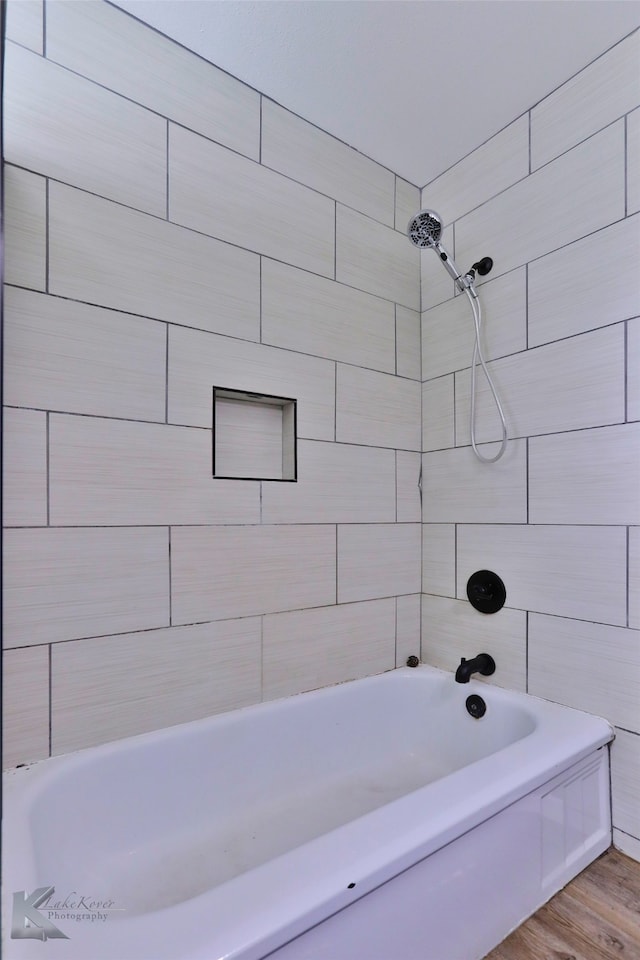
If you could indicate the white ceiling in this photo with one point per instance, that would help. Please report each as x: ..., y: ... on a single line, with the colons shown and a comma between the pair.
x: 414, y: 84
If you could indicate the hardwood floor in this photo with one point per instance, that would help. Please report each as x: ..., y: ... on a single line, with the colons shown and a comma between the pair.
x: 595, y: 917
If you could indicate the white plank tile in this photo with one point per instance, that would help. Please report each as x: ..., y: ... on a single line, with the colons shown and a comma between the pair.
x: 448, y: 331
x: 116, y: 472
x: 337, y: 483
x: 407, y: 629
x: 24, y: 452
x: 633, y: 162
x: 408, y: 343
x: 25, y: 241
x: 25, y: 23
x: 634, y: 577
x: 407, y: 491
x: 69, y: 356
x: 198, y: 361
x: 105, y: 254
x: 592, y: 476
x: 439, y: 559
x: 376, y: 258
x: 566, y: 664
x: 568, y: 296
x: 224, y: 195
x: 491, y: 168
x: 539, y: 214
x: 625, y: 782
x: 301, y: 311
x: 605, y: 90
x: 97, y: 141
x: 222, y: 572
x: 436, y: 285
x: 627, y: 844
x: 438, y: 413
x: 377, y: 409
x: 452, y: 629
x: 378, y: 560
x: 633, y: 370
x: 307, y: 649
x: 25, y: 704
x: 307, y: 154
x: 120, y: 686
x: 407, y: 203
x: 458, y: 488
x: 154, y: 71
x: 566, y: 571
x: 566, y: 385
x: 66, y: 584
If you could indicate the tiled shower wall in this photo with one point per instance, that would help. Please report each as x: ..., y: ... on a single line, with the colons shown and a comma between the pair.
x: 168, y: 229
x: 555, y: 200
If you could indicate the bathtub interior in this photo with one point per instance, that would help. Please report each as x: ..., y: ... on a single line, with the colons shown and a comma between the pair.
x: 163, y: 817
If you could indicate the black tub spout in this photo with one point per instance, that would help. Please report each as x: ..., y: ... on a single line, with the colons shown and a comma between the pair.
x: 483, y: 663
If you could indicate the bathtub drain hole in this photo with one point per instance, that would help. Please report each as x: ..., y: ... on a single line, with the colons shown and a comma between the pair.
x: 476, y: 706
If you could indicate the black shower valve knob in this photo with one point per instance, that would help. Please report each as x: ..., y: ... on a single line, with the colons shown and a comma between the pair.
x: 486, y: 591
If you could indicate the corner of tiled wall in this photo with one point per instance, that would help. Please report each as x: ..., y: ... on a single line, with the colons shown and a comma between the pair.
x: 168, y: 229
x: 554, y: 199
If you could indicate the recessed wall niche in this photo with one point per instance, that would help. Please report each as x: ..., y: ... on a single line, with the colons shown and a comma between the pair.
x: 254, y: 436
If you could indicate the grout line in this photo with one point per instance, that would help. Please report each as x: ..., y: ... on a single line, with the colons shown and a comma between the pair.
x: 455, y: 561
x: 396, y: 482
x: 335, y: 240
x: 526, y: 309
x: 44, y: 29
x: 529, y: 141
x: 167, y: 180
x: 260, y: 282
x: 46, y: 235
x: 48, y: 467
x: 335, y: 402
x: 526, y: 462
x: 395, y: 201
x: 628, y: 580
x: 626, y: 372
x: 395, y: 654
x: 395, y: 332
x: 50, y: 645
x: 166, y: 378
x: 170, y: 583
x: 626, y: 165
x: 455, y: 419
x: 526, y: 651
x: 260, y: 128
x: 337, y: 562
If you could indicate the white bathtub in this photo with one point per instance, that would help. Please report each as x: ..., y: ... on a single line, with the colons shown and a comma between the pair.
x: 374, y: 820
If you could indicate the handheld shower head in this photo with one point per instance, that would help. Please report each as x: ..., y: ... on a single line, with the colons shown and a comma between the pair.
x: 425, y: 229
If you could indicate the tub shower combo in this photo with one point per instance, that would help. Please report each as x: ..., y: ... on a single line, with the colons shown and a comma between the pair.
x: 408, y: 816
